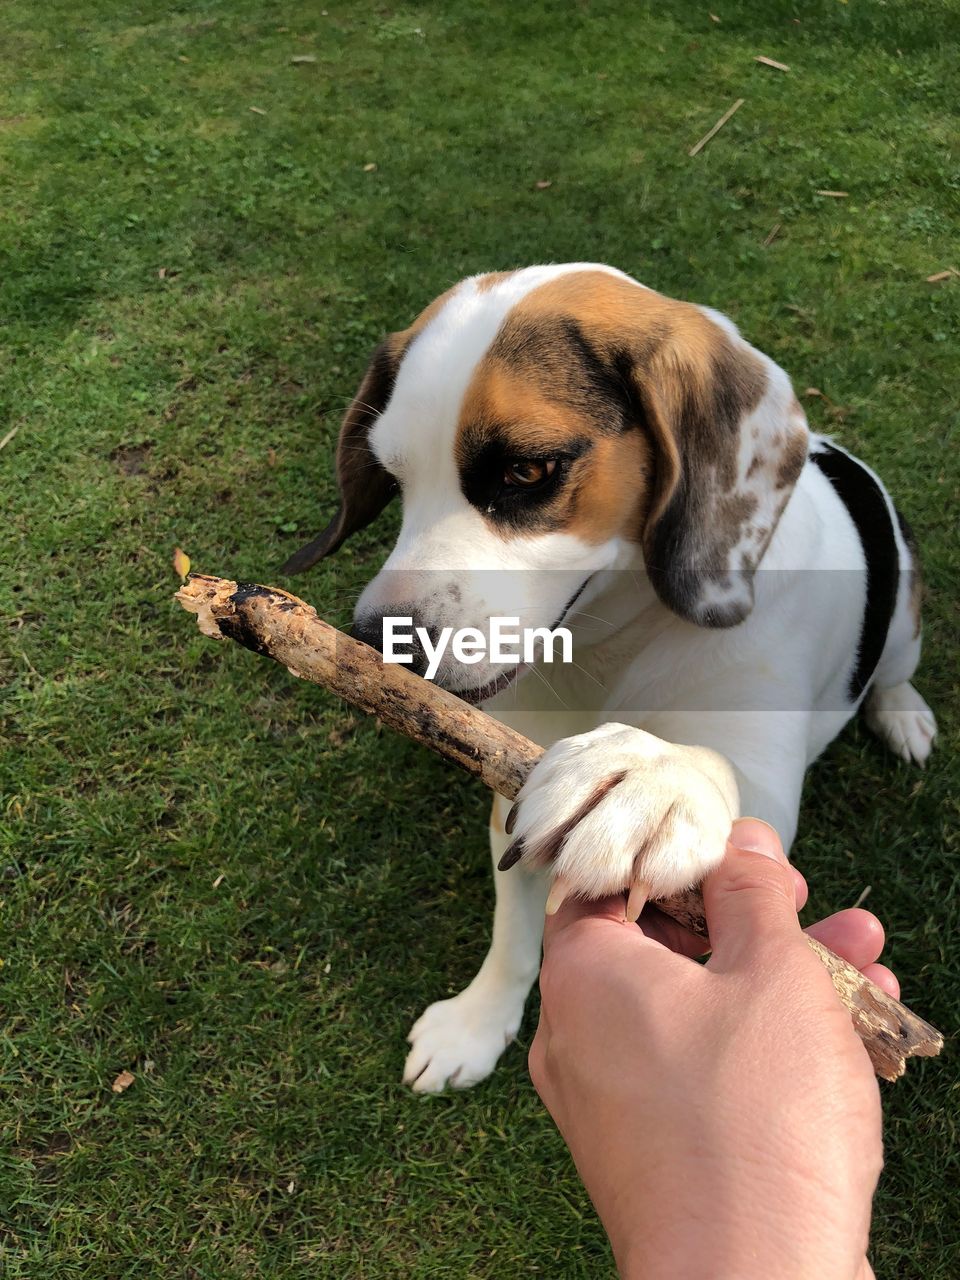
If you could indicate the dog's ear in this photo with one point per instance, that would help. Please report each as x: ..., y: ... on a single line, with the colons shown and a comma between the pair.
x: 730, y: 440
x: 365, y: 487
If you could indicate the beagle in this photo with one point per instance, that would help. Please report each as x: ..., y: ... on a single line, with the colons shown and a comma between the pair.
x: 572, y: 447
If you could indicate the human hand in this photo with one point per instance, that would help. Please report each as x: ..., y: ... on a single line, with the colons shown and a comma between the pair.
x: 725, y: 1117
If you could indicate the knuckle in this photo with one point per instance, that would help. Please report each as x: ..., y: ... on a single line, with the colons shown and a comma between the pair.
x: 755, y: 873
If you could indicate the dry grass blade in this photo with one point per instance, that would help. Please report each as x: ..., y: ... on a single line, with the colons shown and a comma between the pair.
x: 711, y: 133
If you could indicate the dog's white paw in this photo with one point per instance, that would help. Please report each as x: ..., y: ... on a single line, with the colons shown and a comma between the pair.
x: 617, y: 808
x: 457, y: 1042
x: 903, y: 720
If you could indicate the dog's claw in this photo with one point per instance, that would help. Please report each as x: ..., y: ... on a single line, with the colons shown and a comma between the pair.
x: 512, y: 856
x: 636, y: 900
x: 511, y: 821
x: 558, y: 891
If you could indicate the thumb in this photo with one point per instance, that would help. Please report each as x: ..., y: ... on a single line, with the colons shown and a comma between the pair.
x: 750, y: 899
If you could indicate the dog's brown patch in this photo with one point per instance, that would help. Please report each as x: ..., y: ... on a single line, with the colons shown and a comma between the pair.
x: 568, y: 360
x: 491, y: 279
x: 613, y: 490
x: 794, y: 448
x: 507, y: 397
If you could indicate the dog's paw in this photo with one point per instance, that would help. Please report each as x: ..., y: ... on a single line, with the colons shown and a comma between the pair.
x: 457, y: 1042
x: 619, y: 809
x: 903, y: 720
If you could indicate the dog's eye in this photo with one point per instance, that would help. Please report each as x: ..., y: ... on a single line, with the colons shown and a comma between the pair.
x: 527, y: 473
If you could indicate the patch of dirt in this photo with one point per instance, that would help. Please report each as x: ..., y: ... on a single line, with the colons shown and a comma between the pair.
x: 132, y: 459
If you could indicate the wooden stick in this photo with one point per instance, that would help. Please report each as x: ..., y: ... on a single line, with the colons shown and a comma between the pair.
x: 698, y: 146
x: 281, y: 626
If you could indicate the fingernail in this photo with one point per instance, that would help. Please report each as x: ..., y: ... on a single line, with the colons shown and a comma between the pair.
x: 512, y: 856
x: 753, y: 835
x: 511, y: 821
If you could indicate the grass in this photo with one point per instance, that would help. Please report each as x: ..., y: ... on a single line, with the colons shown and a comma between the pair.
x: 227, y: 883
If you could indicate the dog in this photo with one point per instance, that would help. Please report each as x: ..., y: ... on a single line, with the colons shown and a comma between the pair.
x: 573, y: 447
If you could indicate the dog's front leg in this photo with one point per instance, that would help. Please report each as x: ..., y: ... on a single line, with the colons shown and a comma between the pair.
x: 457, y: 1042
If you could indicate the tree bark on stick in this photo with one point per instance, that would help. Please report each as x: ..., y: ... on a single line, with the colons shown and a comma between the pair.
x: 278, y: 625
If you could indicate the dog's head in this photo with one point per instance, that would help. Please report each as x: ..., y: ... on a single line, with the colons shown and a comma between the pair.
x: 544, y: 424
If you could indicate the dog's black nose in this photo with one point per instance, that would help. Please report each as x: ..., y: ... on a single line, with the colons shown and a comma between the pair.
x: 369, y: 627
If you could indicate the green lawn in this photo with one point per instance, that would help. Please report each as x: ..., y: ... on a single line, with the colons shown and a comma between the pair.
x: 218, y: 878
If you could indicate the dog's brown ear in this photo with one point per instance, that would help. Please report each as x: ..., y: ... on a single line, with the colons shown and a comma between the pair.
x: 730, y: 440
x: 365, y: 487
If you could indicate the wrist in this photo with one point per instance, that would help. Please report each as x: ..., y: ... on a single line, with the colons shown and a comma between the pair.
x: 752, y: 1257
x: 730, y: 1235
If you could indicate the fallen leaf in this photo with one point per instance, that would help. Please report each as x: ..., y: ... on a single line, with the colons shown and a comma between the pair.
x: 271, y: 457
x: 302, y: 57
x: 370, y: 168
x: 543, y: 184
x: 162, y: 273
x: 183, y: 58
x: 714, y: 18
x: 123, y: 1081
x: 257, y: 111
x: 181, y: 562
x: 837, y: 195
x: 771, y: 62
x: 833, y: 410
